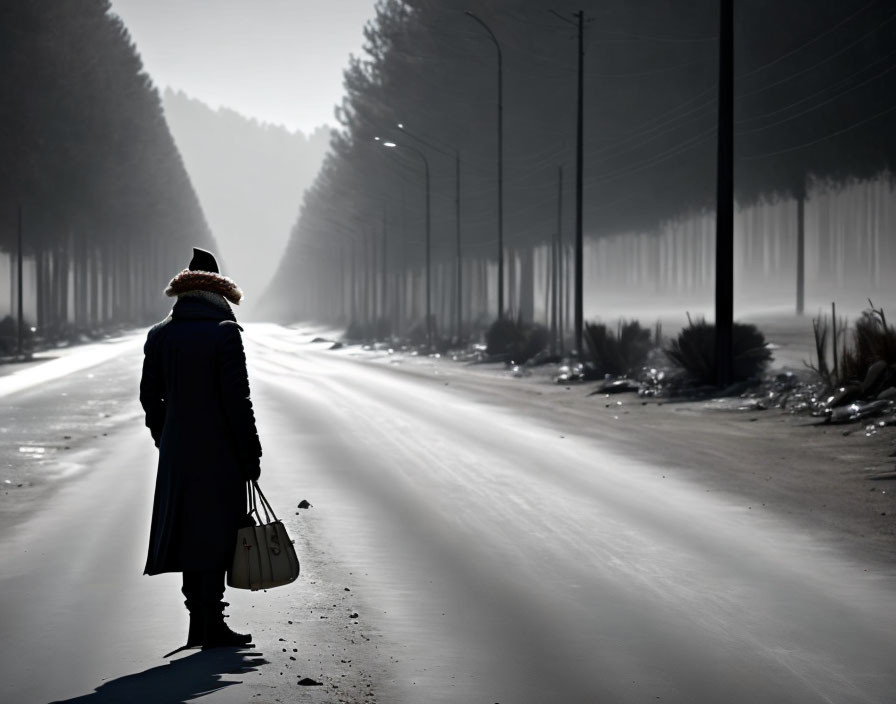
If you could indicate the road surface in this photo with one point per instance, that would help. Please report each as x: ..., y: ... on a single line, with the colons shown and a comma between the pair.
x: 455, y: 552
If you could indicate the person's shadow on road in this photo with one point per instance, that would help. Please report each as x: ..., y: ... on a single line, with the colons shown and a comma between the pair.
x: 179, y: 681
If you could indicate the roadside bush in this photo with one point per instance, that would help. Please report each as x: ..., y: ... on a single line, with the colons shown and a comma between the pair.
x: 418, y: 334
x: 820, y: 331
x: 537, y: 338
x: 9, y: 336
x: 357, y: 331
x: 502, y: 335
x: 515, y: 340
x: 694, y: 350
x: 360, y: 331
x: 872, y: 341
x: 382, y: 329
x: 620, y: 353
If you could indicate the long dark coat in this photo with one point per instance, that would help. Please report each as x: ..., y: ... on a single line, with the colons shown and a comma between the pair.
x: 195, y: 393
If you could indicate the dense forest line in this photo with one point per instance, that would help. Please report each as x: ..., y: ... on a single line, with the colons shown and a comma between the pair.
x: 108, y: 212
x: 813, y: 114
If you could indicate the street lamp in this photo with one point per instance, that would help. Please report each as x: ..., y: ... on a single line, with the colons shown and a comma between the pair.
x: 393, y: 145
x: 459, y: 272
x: 500, y: 166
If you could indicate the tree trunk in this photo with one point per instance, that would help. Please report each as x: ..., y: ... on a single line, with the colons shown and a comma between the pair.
x: 12, y: 286
x: 81, y: 282
x: 52, y: 305
x: 107, y: 298
x: 40, y: 264
x: 353, y: 312
x: 94, y: 288
x: 62, y: 275
x: 526, y: 282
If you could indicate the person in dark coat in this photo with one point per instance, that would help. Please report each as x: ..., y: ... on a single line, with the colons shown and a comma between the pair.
x: 195, y: 392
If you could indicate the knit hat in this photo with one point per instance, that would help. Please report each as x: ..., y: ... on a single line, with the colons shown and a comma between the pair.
x: 203, y: 261
x: 203, y: 275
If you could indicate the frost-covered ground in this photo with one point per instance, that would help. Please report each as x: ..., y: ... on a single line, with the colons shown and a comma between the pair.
x: 500, y: 540
x: 824, y: 476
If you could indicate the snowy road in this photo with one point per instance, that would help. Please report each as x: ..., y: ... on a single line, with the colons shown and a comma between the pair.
x: 490, y: 558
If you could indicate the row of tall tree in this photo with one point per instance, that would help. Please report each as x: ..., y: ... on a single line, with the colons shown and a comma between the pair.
x: 108, y: 212
x: 812, y: 92
x: 247, y: 176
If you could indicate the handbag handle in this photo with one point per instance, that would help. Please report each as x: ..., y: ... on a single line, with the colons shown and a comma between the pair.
x: 255, y: 493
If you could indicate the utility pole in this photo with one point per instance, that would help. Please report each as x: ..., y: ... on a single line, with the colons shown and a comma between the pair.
x: 20, y: 328
x: 403, y: 267
x: 725, y: 200
x: 459, y: 281
x: 374, y: 289
x: 341, y: 256
x: 428, y: 259
x: 393, y: 145
x: 579, y: 167
x: 800, y: 250
x: 578, y: 280
x: 500, y: 185
x: 354, y: 284
x: 369, y: 301
x: 458, y: 273
x: 500, y: 165
x: 385, y: 296
x: 556, y: 326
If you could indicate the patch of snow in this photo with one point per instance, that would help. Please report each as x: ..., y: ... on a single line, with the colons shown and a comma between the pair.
x: 79, y: 358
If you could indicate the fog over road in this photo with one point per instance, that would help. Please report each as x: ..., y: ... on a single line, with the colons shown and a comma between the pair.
x: 491, y: 558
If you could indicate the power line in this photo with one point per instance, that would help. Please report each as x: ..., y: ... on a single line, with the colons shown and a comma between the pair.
x: 609, y: 149
x: 835, y: 86
x: 819, y: 105
x: 808, y: 43
x: 653, y: 38
x: 822, y: 139
x: 655, y: 72
x: 656, y: 159
x: 819, y: 63
x: 660, y: 120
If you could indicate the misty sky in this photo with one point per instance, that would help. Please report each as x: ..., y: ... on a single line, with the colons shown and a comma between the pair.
x: 280, y: 61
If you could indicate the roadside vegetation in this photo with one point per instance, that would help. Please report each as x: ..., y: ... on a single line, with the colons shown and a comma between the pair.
x: 618, y: 353
x: 515, y: 341
x: 856, y: 366
x: 693, y: 350
x: 842, y: 355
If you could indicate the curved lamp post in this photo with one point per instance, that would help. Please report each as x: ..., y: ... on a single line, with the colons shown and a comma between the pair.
x: 393, y: 145
x: 458, y: 273
x: 500, y: 165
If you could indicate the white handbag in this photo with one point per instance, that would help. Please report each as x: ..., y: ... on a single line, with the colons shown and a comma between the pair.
x: 264, y: 556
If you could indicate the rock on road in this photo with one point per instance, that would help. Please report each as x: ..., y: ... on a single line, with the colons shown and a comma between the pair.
x: 455, y: 552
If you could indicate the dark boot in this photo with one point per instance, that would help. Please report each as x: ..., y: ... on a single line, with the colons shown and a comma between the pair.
x: 194, y: 636
x: 216, y: 633
x: 192, y: 590
x: 205, y: 602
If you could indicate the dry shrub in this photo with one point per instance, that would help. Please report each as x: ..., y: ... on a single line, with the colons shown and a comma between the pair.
x: 820, y: 330
x: 620, y: 353
x: 515, y: 340
x: 357, y: 331
x: 872, y: 341
x: 9, y: 340
x: 694, y: 350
